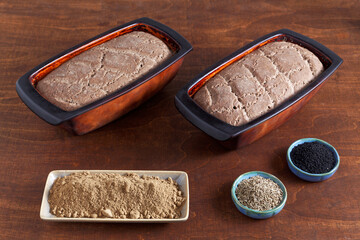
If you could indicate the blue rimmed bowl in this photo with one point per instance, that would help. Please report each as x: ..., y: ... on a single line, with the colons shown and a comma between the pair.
x: 312, y: 177
x: 255, y: 213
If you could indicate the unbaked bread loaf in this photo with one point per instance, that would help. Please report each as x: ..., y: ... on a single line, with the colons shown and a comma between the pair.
x: 258, y: 82
x: 102, y: 70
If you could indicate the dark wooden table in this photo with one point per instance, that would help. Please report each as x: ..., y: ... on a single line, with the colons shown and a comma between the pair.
x: 156, y: 136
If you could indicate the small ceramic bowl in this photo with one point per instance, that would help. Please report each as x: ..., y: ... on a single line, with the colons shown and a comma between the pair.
x: 311, y: 177
x: 251, y: 212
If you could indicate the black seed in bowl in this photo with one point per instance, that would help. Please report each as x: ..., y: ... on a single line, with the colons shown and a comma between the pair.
x: 313, y: 157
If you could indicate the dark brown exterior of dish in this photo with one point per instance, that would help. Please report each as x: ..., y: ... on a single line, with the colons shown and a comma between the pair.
x: 238, y: 136
x: 113, y: 106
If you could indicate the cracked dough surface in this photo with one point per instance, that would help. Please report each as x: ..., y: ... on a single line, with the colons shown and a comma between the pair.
x: 258, y: 82
x: 102, y: 70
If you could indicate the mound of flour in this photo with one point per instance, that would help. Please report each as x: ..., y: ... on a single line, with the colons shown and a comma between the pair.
x: 111, y: 195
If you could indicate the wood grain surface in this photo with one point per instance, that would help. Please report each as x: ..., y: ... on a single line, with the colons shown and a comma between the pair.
x: 156, y: 136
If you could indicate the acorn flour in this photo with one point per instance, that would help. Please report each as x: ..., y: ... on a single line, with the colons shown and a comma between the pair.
x: 111, y: 195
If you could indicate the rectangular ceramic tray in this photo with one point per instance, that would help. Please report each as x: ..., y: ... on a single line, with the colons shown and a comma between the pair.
x: 180, y: 177
x: 237, y: 136
x: 116, y: 104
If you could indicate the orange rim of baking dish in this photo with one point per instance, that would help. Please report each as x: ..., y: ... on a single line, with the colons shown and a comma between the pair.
x: 26, y: 85
x: 223, y: 131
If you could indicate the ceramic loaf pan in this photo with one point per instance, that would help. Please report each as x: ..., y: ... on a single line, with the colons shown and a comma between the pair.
x: 116, y: 104
x: 237, y: 136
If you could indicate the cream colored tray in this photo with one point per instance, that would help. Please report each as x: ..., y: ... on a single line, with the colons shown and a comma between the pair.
x: 180, y: 177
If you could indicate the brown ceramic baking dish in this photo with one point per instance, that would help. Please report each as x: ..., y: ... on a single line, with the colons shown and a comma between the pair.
x: 111, y: 107
x: 237, y: 136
